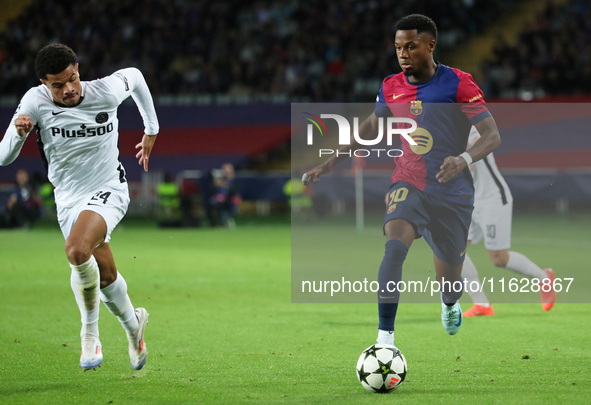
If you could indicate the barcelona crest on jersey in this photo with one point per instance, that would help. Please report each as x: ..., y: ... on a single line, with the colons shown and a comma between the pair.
x: 416, y: 107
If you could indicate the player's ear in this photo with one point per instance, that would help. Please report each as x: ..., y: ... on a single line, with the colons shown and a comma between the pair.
x: 432, y: 45
x: 44, y: 82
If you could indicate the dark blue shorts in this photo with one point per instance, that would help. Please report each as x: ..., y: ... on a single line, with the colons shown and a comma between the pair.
x: 444, y: 225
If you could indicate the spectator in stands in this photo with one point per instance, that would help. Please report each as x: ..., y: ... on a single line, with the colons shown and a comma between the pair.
x: 282, y: 50
x: 24, y: 206
x: 225, y: 198
x: 551, y: 56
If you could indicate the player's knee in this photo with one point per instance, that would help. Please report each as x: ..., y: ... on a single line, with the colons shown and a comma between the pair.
x: 396, y: 250
x: 499, y: 259
x: 108, y: 276
x: 77, y: 253
x: 107, y: 280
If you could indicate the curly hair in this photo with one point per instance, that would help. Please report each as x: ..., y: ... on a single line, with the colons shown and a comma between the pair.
x: 53, y: 59
x: 419, y: 22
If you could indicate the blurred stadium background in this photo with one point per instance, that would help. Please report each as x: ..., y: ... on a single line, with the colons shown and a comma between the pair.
x: 223, y: 75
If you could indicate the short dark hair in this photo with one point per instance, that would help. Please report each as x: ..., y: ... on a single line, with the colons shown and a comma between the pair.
x: 418, y: 22
x: 53, y: 59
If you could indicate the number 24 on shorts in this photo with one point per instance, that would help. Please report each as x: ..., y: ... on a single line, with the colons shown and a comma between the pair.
x: 100, y: 196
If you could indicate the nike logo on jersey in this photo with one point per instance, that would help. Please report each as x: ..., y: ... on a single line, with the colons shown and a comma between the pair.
x: 57, y: 113
x: 394, y: 96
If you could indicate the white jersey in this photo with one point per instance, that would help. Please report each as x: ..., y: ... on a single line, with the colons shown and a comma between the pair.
x: 490, y: 187
x: 80, y: 142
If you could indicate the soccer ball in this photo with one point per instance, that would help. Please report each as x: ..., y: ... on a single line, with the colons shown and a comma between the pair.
x: 381, y: 368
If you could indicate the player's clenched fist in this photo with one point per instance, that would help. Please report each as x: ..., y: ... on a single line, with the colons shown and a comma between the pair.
x: 23, y: 125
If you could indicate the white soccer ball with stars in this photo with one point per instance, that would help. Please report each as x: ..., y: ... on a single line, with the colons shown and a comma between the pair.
x: 381, y: 368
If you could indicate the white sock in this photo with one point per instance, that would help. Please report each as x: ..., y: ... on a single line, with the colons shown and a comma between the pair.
x: 386, y: 337
x: 115, y: 298
x: 519, y: 263
x: 85, y: 280
x: 470, y: 274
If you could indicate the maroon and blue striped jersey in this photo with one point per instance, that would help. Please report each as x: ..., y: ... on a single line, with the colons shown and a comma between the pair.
x: 445, y: 107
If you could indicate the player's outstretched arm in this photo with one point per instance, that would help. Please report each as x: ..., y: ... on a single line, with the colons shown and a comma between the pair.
x: 489, y: 139
x: 143, y: 99
x: 14, y: 139
x: 488, y: 142
x: 368, y: 128
x: 131, y: 81
x: 145, y: 149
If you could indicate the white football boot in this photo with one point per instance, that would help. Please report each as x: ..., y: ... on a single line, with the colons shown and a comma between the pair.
x: 137, y: 347
x: 91, y: 356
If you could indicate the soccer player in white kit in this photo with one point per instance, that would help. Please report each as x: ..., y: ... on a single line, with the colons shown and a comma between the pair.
x: 77, y: 127
x: 491, y: 220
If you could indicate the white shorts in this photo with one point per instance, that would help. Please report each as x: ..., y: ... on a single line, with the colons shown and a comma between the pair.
x: 109, y: 202
x: 493, y: 223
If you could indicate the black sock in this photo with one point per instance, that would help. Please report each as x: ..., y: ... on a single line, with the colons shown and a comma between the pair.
x: 449, y: 293
x: 390, y: 274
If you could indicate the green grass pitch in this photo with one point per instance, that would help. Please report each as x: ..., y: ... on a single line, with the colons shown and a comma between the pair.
x: 223, y: 329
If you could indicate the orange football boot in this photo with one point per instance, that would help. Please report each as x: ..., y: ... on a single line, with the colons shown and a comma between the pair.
x: 548, y: 297
x: 479, y: 310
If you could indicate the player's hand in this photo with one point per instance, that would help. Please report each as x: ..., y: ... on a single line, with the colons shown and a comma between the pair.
x: 23, y: 125
x: 145, y: 147
x: 452, y: 165
x: 387, y: 198
x: 312, y: 176
x: 12, y: 200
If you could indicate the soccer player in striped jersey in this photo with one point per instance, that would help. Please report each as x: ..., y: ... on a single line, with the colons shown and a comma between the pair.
x: 491, y: 221
x: 77, y: 132
x: 431, y: 193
